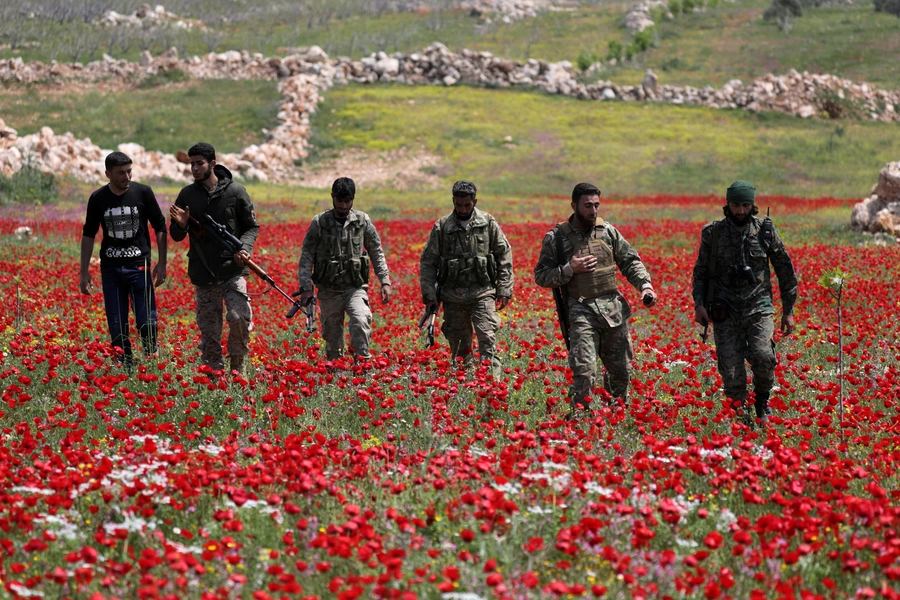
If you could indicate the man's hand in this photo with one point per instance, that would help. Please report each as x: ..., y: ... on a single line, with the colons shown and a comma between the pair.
x: 787, y: 324
x: 583, y: 264
x: 241, y: 256
x: 305, y: 296
x: 86, y: 284
x: 180, y: 216
x: 503, y: 302
x: 650, y: 293
x: 386, y: 292
x: 432, y: 307
x: 159, y: 274
x: 700, y: 315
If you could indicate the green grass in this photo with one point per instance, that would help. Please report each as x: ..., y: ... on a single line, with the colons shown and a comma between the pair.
x: 703, y: 48
x: 229, y: 114
x: 550, y: 36
x: 733, y: 41
x: 626, y: 148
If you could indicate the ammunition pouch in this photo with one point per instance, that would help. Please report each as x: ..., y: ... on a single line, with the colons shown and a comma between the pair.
x: 718, y: 311
x: 467, y: 271
x: 359, y: 271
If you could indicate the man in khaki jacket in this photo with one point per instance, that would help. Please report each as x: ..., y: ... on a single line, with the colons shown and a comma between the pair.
x: 335, y: 257
x: 467, y: 266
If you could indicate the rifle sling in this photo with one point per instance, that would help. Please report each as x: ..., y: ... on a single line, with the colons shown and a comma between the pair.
x: 711, y: 272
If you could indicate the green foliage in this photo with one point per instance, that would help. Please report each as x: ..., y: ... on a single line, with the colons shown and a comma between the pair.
x: 834, y: 281
x: 585, y: 60
x: 688, y: 6
x: 675, y: 7
x: 840, y: 106
x: 614, y: 50
x: 643, y: 40
x: 891, y: 7
x: 228, y: 114
x: 161, y: 78
x: 28, y: 185
x: 784, y: 12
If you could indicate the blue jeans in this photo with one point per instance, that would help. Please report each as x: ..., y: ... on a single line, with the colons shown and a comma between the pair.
x: 134, y: 283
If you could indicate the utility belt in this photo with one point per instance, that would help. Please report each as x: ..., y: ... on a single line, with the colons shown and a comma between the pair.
x: 336, y: 271
x: 467, y: 271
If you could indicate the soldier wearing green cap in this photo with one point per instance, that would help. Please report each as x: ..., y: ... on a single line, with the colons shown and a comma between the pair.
x: 732, y: 289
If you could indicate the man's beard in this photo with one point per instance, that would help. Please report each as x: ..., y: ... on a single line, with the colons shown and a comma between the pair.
x: 462, y: 217
x: 205, y: 176
x: 585, y: 223
x: 737, y: 221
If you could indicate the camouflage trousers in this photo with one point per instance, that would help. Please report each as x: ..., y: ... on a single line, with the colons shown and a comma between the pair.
x: 460, y: 320
x: 591, y: 336
x: 333, y: 305
x: 746, y: 339
x: 209, y: 320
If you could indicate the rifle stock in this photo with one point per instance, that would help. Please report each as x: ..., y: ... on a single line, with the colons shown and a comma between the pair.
x: 230, y: 242
x: 562, y: 312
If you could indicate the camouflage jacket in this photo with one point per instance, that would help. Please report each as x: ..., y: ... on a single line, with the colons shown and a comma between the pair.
x: 553, y: 271
x: 735, y: 247
x: 329, y: 241
x: 470, y: 281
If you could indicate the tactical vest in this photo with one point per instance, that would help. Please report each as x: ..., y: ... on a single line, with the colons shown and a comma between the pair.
x: 466, y: 259
x: 341, y: 259
x: 602, y: 280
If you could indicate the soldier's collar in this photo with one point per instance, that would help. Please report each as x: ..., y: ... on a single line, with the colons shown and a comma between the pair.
x: 476, y: 219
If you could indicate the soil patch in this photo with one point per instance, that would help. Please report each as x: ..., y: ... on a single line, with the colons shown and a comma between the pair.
x: 400, y: 168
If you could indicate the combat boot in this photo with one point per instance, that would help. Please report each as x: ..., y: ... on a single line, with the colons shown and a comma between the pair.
x: 742, y: 412
x: 762, y: 408
x: 236, y: 363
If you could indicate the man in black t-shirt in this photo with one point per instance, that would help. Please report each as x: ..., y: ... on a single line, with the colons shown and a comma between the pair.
x: 123, y: 210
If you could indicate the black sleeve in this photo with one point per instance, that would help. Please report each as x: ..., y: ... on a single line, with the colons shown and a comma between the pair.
x: 154, y: 214
x: 93, y: 216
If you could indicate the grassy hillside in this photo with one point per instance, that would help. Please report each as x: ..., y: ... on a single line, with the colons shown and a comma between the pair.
x: 231, y: 114
x: 731, y: 41
x: 704, y: 48
x: 626, y: 148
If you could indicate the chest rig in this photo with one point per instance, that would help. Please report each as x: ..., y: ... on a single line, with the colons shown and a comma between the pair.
x: 341, y: 258
x: 466, y: 259
x: 602, y: 280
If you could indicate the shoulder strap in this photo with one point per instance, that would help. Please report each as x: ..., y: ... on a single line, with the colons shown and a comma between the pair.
x: 711, y: 273
x: 561, y: 228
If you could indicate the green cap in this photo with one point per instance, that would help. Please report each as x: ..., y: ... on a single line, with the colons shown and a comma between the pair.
x: 740, y: 192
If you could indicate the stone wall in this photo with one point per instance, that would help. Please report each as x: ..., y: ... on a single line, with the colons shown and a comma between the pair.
x: 303, y: 77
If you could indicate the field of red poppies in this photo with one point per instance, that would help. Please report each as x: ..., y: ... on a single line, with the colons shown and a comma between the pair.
x: 406, y: 478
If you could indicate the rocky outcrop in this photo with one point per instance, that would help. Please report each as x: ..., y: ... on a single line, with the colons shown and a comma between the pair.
x: 146, y: 17
x: 506, y: 11
x: 304, y: 76
x: 880, y: 212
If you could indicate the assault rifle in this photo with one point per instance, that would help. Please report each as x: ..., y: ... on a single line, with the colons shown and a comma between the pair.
x: 428, y: 317
x: 309, y: 309
x: 232, y: 244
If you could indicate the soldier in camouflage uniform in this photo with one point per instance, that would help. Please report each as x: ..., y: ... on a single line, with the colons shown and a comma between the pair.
x: 335, y: 258
x: 470, y: 259
x: 580, y: 256
x: 732, y: 289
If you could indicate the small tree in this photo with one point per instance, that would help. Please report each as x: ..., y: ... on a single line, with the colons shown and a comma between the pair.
x: 784, y: 12
x: 891, y: 7
x: 833, y: 281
